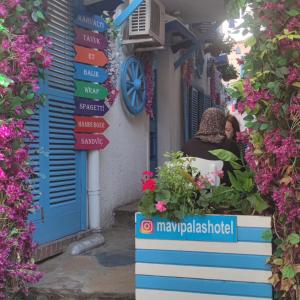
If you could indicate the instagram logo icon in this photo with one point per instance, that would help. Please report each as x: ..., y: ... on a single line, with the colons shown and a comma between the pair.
x: 147, y: 227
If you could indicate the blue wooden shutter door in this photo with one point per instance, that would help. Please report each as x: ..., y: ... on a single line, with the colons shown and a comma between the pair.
x: 207, y: 102
x: 201, y: 104
x: 186, y: 110
x: 194, y: 114
x: 62, y: 180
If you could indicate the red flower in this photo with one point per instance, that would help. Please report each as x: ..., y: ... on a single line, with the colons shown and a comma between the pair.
x: 150, y: 185
x: 240, y: 61
x: 148, y: 173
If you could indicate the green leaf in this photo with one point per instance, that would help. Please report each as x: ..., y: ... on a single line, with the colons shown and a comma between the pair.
x: 14, y: 232
x: 271, y: 85
x: 224, y: 155
x: 5, y: 81
x: 258, y: 203
x: 34, y: 16
x: 250, y: 124
x: 250, y: 42
x: 267, y: 235
x: 16, y: 101
x: 278, y: 261
x: 294, y: 238
x: 277, y: 242
x: 293, y: 12
x: 288, y: 272
x: 282, y: 61
x: 30, y: 96
x: 20, y: 9
x: 246, y: 180
x: 29, y: 111
x: 37, y: 2
x: 264, y: 126
x: 282, y: 71
x: 296, y: 84
x: 248, y: 118
x: 40, y: 15
x: 235, y: 182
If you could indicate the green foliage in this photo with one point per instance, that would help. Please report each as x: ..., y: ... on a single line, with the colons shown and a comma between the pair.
x: 228, y: 72
x: 267, y: 235
x: 243, y: 195
x: 177, y: 187
x: 272, y: 68
x: 220, y: 45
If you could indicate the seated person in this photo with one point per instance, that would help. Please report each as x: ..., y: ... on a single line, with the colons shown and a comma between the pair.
x: 232, y: 127
x: 211, y: 136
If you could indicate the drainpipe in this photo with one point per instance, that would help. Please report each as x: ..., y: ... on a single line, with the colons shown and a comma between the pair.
x: 94, y: 189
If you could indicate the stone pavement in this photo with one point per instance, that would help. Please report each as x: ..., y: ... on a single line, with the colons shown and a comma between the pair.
x: 104, y: 273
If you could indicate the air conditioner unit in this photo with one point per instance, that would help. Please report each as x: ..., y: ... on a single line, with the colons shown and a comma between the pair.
x: 147, y: 23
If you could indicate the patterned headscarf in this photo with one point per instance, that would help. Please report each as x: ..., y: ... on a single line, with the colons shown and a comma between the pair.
x: 212, y: 126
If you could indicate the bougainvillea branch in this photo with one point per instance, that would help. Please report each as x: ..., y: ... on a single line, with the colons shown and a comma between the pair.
x: 23, y: 56
x: 114, y: 57
x: 148, y: 68
x: 270, y: 95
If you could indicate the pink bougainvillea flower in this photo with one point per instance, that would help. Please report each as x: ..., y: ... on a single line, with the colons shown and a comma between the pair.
x: 149, y: 185
x: 13, y: 3
x: 161, y: 206
x: 3, y: 11
x: 241, y: 107
x: 218, y: 173
x: 292, y: 76
x: 5, y: 44
x: 2, y: 174
x: 201, y: 184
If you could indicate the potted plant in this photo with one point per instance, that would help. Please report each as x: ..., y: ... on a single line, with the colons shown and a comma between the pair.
x: 199, y: 241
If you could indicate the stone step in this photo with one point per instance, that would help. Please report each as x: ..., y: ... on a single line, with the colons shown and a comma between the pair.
x: 70, y: 295
x: 124, y: 215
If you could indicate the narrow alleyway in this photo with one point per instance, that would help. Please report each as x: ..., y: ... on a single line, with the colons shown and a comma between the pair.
x: 104, y: 273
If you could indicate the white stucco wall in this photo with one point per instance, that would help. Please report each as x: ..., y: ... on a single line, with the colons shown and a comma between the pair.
x: 169, y: 103
x: 127, y: 155
x: 204, y: 82
x: 123, y: 161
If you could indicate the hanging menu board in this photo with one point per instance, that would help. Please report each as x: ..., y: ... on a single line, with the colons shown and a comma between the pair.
x: 90, y: 75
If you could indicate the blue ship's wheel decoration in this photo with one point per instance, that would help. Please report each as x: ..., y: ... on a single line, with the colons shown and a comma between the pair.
x: 133, y: 85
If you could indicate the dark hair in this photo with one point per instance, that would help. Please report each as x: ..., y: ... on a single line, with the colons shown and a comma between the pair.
x: 235, y: 124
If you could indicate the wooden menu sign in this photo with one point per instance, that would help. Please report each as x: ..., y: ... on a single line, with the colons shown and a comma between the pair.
x: 90, y: 56
x: 90, y: 141
x: 90, y: 39
x: 87, y: 107
x: 91, y: 22
x: 90, y: 90
x: 90, y: 73
x: 90, y: 124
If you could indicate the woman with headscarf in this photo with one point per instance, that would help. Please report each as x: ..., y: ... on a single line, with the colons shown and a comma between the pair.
x: 211, y: 136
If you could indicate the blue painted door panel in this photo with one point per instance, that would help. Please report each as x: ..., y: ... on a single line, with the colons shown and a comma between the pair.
x: 60, y: 189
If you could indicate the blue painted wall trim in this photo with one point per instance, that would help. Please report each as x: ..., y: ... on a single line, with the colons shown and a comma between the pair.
x: 204, y: 259
x: 216, y: 287
x: 127, y: 12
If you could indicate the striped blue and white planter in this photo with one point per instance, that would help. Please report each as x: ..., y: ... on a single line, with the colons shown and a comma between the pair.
x: 203, y: 258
